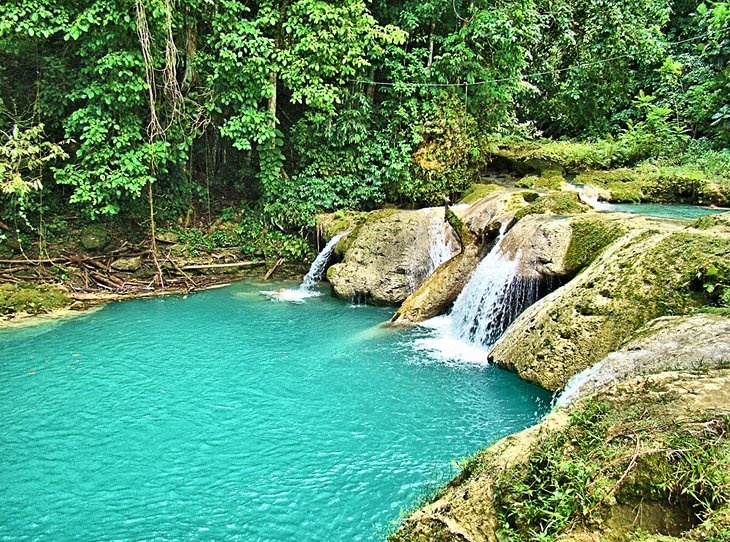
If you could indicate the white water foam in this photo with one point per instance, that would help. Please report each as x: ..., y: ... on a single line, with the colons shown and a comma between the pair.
x: 313, y: 276
x: 494, y: 296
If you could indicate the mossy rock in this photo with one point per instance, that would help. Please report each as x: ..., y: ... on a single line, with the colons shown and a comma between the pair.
x: 645, y: 274
x: 713, y: 222
x: 95, y: 237
x: 652, y: 184
x: 589, y: 238
x: 31, y: 299
x: 647, y: 459
x: 565, y: 156
x: 477, y: 191
x: 556, y: 203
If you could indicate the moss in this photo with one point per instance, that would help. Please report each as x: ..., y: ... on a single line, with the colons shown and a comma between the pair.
x: 670, y: 184
x: 549, y: 182
x: 711, y: 222
x: 31, y: 299
x: 559, y: 203
x: 477, y: 191
x: 542, y: 155
x: 528, y: 181
x: 588, y: 239
x: 612, y: 458
x: 340, y: 221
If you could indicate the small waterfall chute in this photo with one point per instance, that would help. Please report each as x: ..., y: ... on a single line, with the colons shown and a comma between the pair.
x: 313, y: 276
x: 442, y: 246
x: 492, y: 299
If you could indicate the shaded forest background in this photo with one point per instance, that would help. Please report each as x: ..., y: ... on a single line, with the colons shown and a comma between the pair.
x: 268, y: 112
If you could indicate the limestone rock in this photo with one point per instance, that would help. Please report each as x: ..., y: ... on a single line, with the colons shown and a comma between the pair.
x: 647, y: 273
x: 671, y: 343
x: 488, y: 211
x: 128, y: 265
x: 386, y: 256
x: 95, y: 237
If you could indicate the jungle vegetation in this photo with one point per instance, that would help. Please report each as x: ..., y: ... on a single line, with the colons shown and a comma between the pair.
x: 277, y: 110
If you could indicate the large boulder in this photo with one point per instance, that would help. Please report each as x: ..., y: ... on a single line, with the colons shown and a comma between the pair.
x: 671, y: 343
x: 488, y: 210
x: 388, y: 255
x: 649, y: 272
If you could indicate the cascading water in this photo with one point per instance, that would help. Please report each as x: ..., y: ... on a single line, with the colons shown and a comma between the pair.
x: 494, y: 296
x: 313, y: 276
x: 442, y: 246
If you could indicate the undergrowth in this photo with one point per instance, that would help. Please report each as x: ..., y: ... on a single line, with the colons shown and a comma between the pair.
x: 608, y: 456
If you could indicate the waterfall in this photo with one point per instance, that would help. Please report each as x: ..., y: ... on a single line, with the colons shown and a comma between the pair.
x: 313, y: 276
x: 494, y: 296
x: 442, y: 245
x: 316, y: 270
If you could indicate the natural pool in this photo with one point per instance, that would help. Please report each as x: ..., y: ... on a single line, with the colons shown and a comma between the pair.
x: 662, y: 210
x: 228, y: 416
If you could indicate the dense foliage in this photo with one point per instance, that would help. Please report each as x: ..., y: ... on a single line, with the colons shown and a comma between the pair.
x: 301, y: 106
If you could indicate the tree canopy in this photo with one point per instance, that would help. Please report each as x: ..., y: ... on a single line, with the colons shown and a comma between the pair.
x: 304, y: 106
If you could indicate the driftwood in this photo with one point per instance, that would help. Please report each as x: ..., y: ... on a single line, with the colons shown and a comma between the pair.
x: 220, y: 265
x: 271, y: 271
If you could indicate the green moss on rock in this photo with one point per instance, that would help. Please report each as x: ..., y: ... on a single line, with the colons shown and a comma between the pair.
x: 557, y: 203
x: 646, y: 459
x: 644, y: 275
x: 659, y: 185
x: 31, y: 299
x: 589, y: 238
x: 477, y: 191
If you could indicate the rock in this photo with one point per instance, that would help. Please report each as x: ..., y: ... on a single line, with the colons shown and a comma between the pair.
x: 671, y: 343
x: 602, y: 470
x: 440, y: 289
x: 128, y: 265
x: 494, y: 207
x: 545, y: 246
x: 95, y: 237
x: 720, y: 222
x: 490, y: 210
x: 169, y: 237
x: 649, y: 183
x: 647, y: 273
x: 385, y: 257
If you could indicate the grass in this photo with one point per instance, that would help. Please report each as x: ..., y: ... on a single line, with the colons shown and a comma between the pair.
x: 609, y: 456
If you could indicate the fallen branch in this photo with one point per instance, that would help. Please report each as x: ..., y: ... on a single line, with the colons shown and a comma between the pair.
x: 271, y: 271
x: 221, y: 265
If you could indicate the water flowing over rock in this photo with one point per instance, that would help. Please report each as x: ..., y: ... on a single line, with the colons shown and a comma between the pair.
x: 647, y: 273
x: 475, y: 225
x: 317, y: 269
x: 672, y: 343
x: 388, y: 256
x: 493, y: 298
x: 313, y: 276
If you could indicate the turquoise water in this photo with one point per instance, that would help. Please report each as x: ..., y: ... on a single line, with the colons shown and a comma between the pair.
x: 663, y: 210
x: 228, y: 416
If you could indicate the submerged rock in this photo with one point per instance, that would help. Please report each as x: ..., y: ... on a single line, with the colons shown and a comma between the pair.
x: 647, y: 273
x: 384, y: 256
